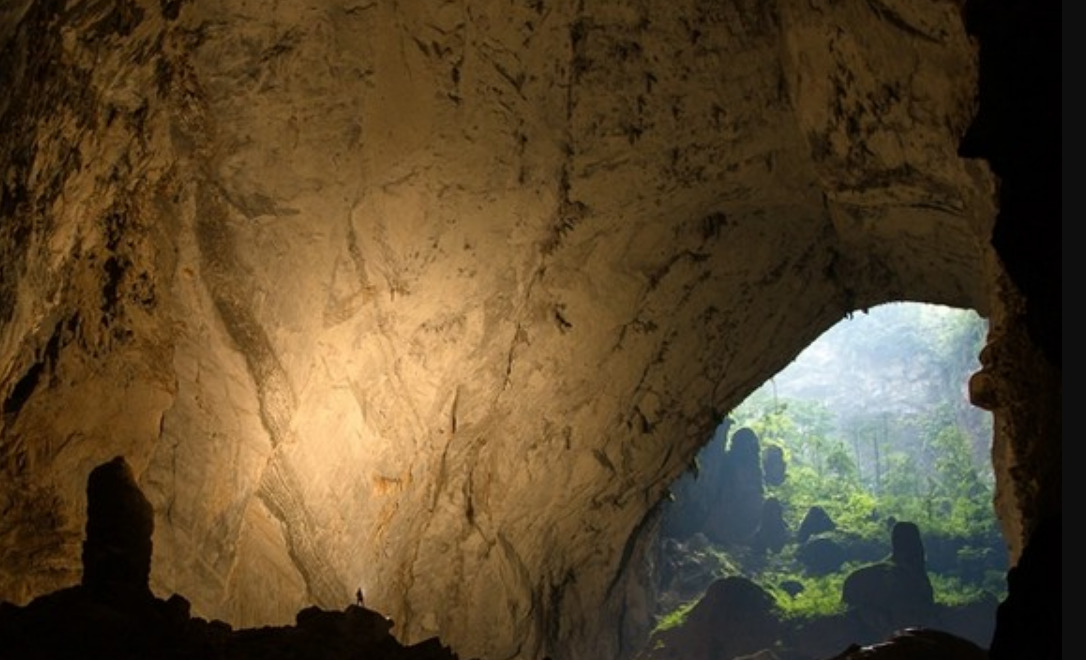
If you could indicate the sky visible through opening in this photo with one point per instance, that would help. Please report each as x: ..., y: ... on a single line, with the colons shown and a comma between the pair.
x: 878, y: 381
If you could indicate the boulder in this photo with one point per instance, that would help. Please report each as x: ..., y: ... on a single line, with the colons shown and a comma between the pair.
x: 815, y: 521
x: 733, y: 618
x: 893, y: 593
x: 821, y: 556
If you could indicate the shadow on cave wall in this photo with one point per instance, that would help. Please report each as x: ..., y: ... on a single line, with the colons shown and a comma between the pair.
x: 113, y: 614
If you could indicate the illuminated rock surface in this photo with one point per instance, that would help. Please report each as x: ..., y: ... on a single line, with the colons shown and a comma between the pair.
x: 437, y: 299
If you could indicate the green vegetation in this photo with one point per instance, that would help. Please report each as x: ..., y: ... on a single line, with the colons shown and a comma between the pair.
x: 933, y: 480
x: 675, y: 617
x: 818, y: 596
x: 901, y: 443
x: 950, y: 590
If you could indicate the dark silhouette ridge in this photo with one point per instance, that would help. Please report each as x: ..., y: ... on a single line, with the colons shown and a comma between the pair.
x: 113, y: 613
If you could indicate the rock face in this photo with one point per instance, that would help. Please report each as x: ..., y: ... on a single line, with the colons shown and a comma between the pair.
x: 439, y: 298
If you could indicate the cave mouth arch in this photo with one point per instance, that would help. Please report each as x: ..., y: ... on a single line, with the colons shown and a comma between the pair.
x: 872, y: 423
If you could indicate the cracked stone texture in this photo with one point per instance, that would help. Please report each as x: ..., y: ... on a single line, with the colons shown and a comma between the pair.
x: 436, y: 299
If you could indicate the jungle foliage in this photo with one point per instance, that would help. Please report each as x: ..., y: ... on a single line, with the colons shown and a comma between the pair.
x: 889, y: 436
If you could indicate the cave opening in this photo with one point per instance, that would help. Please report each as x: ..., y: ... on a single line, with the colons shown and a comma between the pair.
x: 806, y: 485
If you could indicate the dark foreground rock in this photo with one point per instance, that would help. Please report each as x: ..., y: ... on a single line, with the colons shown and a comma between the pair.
x: 77, y: 623
x: 113, y: 613
x: 917, y: 644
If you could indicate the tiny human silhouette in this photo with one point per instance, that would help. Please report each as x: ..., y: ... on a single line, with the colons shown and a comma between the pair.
x: 358, y: 597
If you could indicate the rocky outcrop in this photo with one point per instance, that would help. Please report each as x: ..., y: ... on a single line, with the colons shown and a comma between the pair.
x: 112, y: 613
x: 774, y: 468
x: 742, y: 487
x: 120, y: 523
x: 441, y: 298
x: 772, y: 533
x: 895, y: 593
x: 821, y: 556
x: 723, y: 496
x: 735, y: 617
x: 815, y: 521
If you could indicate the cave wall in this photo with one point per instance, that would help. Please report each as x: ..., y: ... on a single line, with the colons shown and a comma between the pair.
x: 1018, y: 130
x: 437, y: 299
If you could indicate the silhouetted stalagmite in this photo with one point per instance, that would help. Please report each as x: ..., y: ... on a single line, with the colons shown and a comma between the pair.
x: 120, y: 521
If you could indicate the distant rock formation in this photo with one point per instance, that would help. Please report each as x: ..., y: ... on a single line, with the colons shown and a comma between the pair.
x: 774, y: 465
x: 815, y: 521
x: 821, y: 556
x: 772, y: 532
x: 685, y: 570
x: 743, y: 490
x: 723, y: 497
x: 894, y: 593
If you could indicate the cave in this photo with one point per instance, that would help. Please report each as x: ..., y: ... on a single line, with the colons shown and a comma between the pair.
x: 436, y: 300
